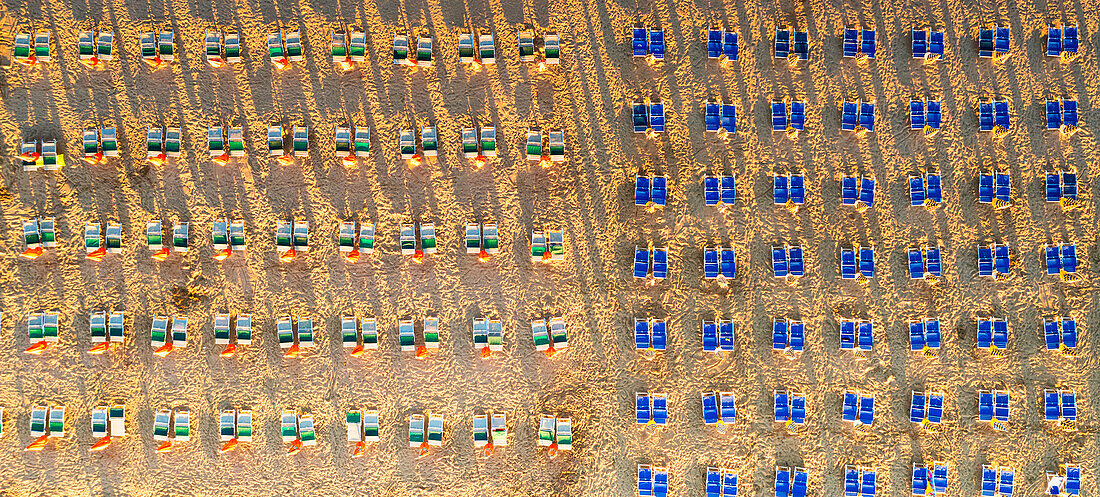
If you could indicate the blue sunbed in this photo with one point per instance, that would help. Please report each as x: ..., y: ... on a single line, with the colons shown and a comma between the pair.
x: 847, y: 335
x: 916, y: 190
x: 916, y: 335
x: 985, y: 115
x: 1003, y: 41
x: 849, y: 116
x: 712, y: 113
x: 866, y: 336
x: 638, y: 41
x: 935, y: 408
x: 867, y: 116
x: 851, y: 481
x: 989, y: 481
x: 657, y: 117
x: 851, y: 42
x: 1069, y: 332
x: 917, y: 404
x: 641, y: 190
x: 848, y: 263
x: 1052, y: 334
x: 659, y: 334
x: 714, y: 43
x: 660, y: 409
x: 1069, y: 185
x: 866, y: 410
x: 798, y: 189
x: 642, y: 408
x: 850, y: 409
x: 660, y: 263
x: 916, y: 114
x: 1054, y: 114
x: 1008, y: 477
x: 1000, y: 333
x: 985, y: 43
x: 916, y: 264
x: 867, y: 191
x: 710, y: 336
x: 729, y: 118
x: 1054, y: 262
x: 868, y: 45
x: 935, y: 43
x: 1053, y: 187
x: 641, y: 334
x: 1070, y: 40
x: 1069, y: 405
x: 780, y: 190
x: 1002, y: 261
x: 801, y: 46
x: 985, y: 333
x: 639, y: 115
x: 782, y: 482
x: 729, y: 263
x: 779, y: 116
x: 714, y: 482
x: 934, y: 190
x: 1003, y: 190
x: 730, y: 45
x: 641, y: 263
x: 725, y: 336
x: 782, y: 411
x: 801, y: 483
x: 782, y: 48
x: 798, y: 409
x: 658, y: 190
x: 1000, y: 406
x: 849, y: 190
x: 710, y: 408
x: 868, y: 481
x: 1001, y: 118
x: 1073, y: 479
x: 932, y: 117
x: 710, y: 190
x: 710, y: 264
x: 797, y: 331
x: 985, y: 188
x: 1069, y: 113
x: 1054, y: 42
x: 728, y: 408
x: 932, y: 333
x: 729, y: 190
x: 795, y: 263
x: 867, y: 261
x: 1051, y: 408
x: 657, y: 44
x: 920, y: 43
x: 1069, y: 258
x: 645, y: 480
x: 985, y: 260
x: 779, y: 334
x: 660, y: 482
x: 798, y: 115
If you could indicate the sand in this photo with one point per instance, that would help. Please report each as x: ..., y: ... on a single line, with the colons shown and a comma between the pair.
x: 589, y: 196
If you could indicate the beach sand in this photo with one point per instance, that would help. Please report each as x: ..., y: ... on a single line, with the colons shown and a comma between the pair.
x: 590, y: 197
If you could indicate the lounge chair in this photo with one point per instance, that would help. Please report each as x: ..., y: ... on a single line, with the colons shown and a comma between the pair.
x: 916, y: 263
x: 284, y: 330
x: 780, y: 189
x: 916, y: 114
x: 781, y: 48
x: 162, y: 422
x: 555, y: 140
x: 866, y: 411
x: 660, y: 263
x: 710, y: 263
x: 539, y: 246
x: 305, y: 331
x: 917, y: 196
x: 712, y: 114
x: 42, y: 45
x: 847, y: 334
x: 985, y: 115
x: 727, y: 190
x: 159, y: 332
x: 849, y: 116
x: 466, y: 48
x: 289, y: 426
x: 986, y: 43
x: 851, y: 481
x: 221, y: 329
x: 526, y: 39
x: 429, y: 141
x: 710, y: 408
x: 919, y: 43
x: 227, y: 425
x: 658, y: 190
x: 534, y: 144
x: 725, y: 335
x: 850, y: 44
x: 416, y: 430
x: 728, y: 263
x: 638, y: 40
x: 401, y: 50
x: 779, y: 262
x: 306, y: 432
x: 1000, y: 337
x: 639, y: 115
x: 933, y: 116
x: 551, y: 48
x: 801, y: 46
x: 714, y: 43
x: 339, y: 49
x: 431, y: 332
x: 1006, y: 481
x: 643, y: 409
x: 558, y: 336
x: 406, y: 335
x: 782, y: 481
x: 1069, y: 262
x: 850, y: 407
x: 179, y: 237
x: 795, y: 260
x: 798, y: 116
x: 93, y: 239
x: 1000, y: 409
x: 989, y: 480
x: 866, y: 117
x: 865, y: 336
x: 546, y: 430
x: 21, y: 49
x: 469, y: 143
x: 480, y: 430
x: 867, y: 43
x: 563, y: 434
x: 28, y: 152
x: 779, y: 115
x: 427, y: 238
x: 656, y: 116
x: 424, y: 51
x: 866, y: 262
x: 236, y: 235
x: 555, y: 244
x: 848, y: 263
x: 349, y: 331
x: 710, y: 336
x: 486, y: 49
x: 728, y: 119
x: 1002, y: 121
x: 727, y: 408
x: 657, y: 44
